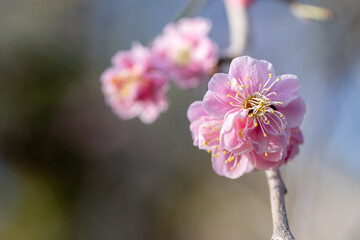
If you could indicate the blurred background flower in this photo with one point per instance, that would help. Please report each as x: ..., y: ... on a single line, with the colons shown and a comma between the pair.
x: 70, y: 169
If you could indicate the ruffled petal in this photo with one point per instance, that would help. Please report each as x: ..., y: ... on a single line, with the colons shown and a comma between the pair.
x: 237, y: 167
x: 271, y: 161
x: 286, y: 89
x: 196, y: 111
x: 279, y: 142
x: 252, y: 72
x: 214, y: 107
x: 220, y: 87
x: 260, y: 142
x: 294, y: 112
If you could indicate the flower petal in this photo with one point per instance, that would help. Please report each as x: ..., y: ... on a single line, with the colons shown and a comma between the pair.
x: 214, y: 107
x: 271, y: 161
x: 237, y: 167
x: 286, y: 89
x: 196, y: 111
x: 252, y: 72
x: 220, y: 87
x: 294, y: 112
x: 279, y: 142
x: 260, y: 142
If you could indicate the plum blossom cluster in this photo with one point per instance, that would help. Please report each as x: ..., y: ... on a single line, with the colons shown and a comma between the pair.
x: 248, y: 119
x: 136, y: 83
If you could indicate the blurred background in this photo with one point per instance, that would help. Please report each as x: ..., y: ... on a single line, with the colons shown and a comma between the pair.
x: 70, y: 169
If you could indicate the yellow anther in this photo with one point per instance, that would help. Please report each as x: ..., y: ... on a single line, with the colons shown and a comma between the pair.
x: 237, y: 94
x: 267, y: 89
x: 255, y: 124
x: 209, y: 126
x: 228, y: 95
x: 282, y: 102
x: 216, y: 155
x: 236, y: 84
x: 218, y: 139
x: 272, y: 111
x: 268, y: 121
x: 199, y: 119
x: 278, y: 79
x: 229, y: 83
x: 204, y: 127
x: 232, y: 168
x: 245, y: 86
x: 265, y: 135
x: 214, y: 128
x: 238, y: 164
x: 209, y: 151
x: 255, y: 165
x: 242, y: 119
x: 281, y: 115
x: 224, y: 152
x: 247, y: 77
x: 266, y: 154
x: 282, y: 128
x: 260, y: 85
x: 270, y: 74
x: 275, y: 104
x: 275, y: 94
x: 216, y: 147
x: 231, y: 103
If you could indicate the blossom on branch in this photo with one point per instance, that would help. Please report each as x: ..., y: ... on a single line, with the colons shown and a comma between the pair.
x: 133, y: 87
x: 258, y: 112
x: 185, y: 52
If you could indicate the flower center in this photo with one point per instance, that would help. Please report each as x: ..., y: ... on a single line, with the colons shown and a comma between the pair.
x: 127, y: 81
x: 181, y: 56
x: 257, y: 104
x: 261, y: 110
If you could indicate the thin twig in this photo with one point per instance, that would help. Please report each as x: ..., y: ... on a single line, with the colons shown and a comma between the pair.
x: 281, y: 230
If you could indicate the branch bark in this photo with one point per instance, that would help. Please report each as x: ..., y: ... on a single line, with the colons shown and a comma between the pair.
x: 281, y: 229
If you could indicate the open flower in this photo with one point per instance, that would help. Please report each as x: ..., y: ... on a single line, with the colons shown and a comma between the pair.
x: 255, y: 104
x: 249, y: 118
x: 185, y: 52
x: 133, y: 87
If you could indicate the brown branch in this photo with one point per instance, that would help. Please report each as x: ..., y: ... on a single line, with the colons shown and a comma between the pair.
x: 281, y: 230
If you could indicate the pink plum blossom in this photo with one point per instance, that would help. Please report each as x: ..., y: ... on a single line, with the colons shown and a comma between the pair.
x: 256, y: 105
x: 185, y: 52
x: 133, y: 87
x: 249, y: 118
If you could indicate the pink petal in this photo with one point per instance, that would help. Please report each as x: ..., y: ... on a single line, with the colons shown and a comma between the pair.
x: 238, y: 170
x: 287, y: 89
x: 272, y: 161
x: 214, y: 107
x: 257, y: 70
x: 219, y: 86
x: 279, y: 142
x: 218, y: 163
x: 294, y: 112
x: 196, y: 111
x: 260, y: 142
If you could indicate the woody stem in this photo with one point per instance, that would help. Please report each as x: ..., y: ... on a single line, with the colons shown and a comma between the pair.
x: 281, y: 229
